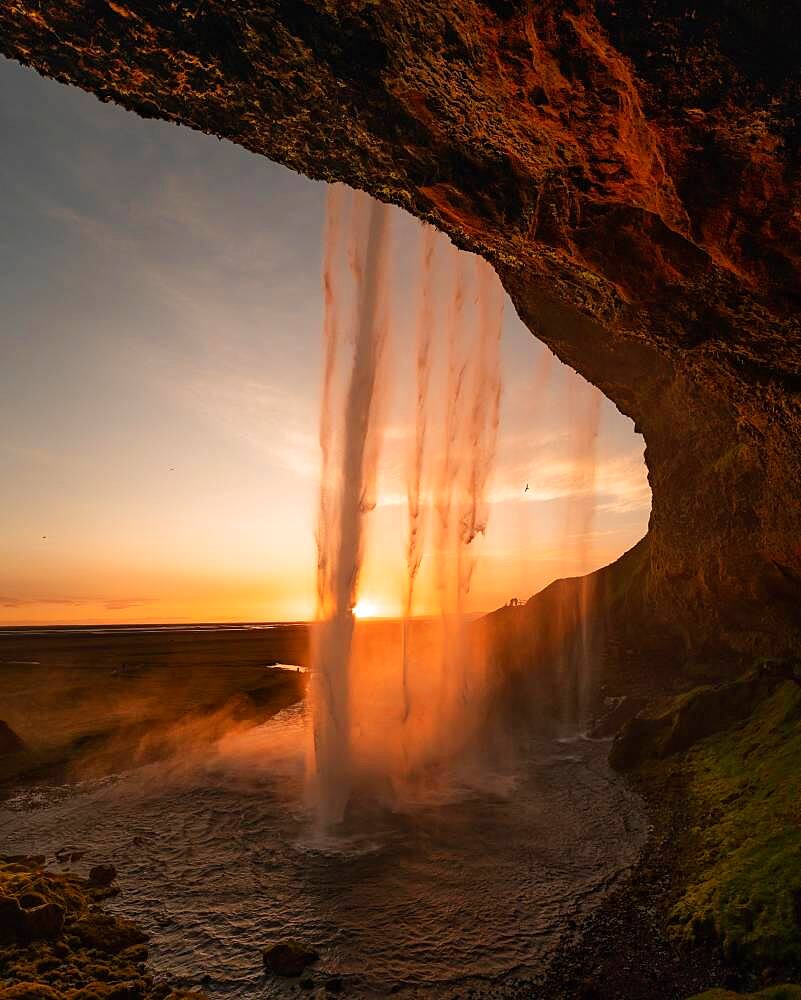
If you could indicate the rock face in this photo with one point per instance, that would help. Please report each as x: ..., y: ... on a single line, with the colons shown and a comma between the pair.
x: 631, y: 170
x: 9, y: 741
x: 690, y: 718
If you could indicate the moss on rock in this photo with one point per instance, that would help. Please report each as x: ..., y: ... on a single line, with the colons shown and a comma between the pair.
x: 57, y: 943
x: 675, y: 724
x: 743, y: 878
x: 787, y: 992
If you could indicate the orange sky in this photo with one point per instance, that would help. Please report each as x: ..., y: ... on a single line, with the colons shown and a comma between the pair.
x: 159, y: 387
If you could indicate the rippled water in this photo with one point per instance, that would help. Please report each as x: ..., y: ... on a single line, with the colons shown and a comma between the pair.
x: 217, y: 858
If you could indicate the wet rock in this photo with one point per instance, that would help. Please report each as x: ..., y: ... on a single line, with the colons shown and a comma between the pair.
x: 637, y: 741
x: 106, y: 933
x: 29, y: 991
x: 9, y: 741
x: 68, y: 854
x: 30, y: 899
x: 288, y: 958
x: 101, y: 876
x: 690, y: 718
x: 43, y: 922
x: 616, y: 714
x: 11, y: 918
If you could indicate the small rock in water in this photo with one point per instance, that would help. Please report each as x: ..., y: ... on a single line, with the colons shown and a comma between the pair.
x: 288, y: 958
x: 102, y: 875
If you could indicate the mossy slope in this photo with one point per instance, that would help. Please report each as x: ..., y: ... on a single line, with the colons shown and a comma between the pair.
x: 743, y: 876
x: 773, y: 993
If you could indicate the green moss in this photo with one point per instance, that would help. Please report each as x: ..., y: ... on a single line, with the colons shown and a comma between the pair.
x: 773, y: 993
x: 743, y: 885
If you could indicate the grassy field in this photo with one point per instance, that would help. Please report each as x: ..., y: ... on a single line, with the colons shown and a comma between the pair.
x: 88, y: 704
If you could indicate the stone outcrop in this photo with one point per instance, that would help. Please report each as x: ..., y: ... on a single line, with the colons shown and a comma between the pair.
x: 632, y: 172
x: 675, y: 726
x: 9, y: 741
x: 57, y: 943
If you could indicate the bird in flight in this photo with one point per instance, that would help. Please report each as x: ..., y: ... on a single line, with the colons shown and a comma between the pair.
x: 526, y: 489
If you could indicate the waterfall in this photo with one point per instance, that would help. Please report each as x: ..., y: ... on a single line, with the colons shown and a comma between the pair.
x: 580, y: 621
x: 347, y: 482
x: 414, y: 479
x: 375, y: 726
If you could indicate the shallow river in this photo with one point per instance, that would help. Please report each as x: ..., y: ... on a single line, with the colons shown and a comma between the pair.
x: 217, y: 858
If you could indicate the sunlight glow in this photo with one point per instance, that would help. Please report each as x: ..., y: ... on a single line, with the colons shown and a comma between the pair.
x: 366, y: 608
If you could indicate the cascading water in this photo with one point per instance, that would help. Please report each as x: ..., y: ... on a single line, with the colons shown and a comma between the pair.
x: 414, y: 544
x: 347, y: 484
x: 580, y: 619
x: 373, y: 724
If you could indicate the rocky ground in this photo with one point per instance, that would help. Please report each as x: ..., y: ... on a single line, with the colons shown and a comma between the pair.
x: 715, y: 902
x: 58, y: 943
x: 713, y: 905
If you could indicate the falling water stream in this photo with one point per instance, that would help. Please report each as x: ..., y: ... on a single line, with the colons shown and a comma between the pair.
x: 437, y: 698
x: 346, y: 486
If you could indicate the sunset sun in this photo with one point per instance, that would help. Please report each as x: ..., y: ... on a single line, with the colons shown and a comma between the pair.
x: 365, y: 607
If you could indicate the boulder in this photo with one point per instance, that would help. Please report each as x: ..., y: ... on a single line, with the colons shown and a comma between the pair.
x: 106, y: 933
x: 617, y: 712
x: 9, y: 741
x: 690, y: 718
x: 11, y: 918
x: 102, y: 876
x: 636, y: 742
x: 30, y: 899
x: 288, y: 958
x: 43, y: 922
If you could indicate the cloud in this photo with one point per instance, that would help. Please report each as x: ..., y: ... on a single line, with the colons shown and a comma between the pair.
x: 615, y: 484
x: 272, y: 419
x: 117, y: 604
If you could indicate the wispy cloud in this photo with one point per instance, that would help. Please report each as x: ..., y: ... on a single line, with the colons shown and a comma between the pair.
x: 117, y: 604
x: 272, y: 420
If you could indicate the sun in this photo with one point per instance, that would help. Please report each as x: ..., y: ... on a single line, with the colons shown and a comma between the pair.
x: 365, y: 608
